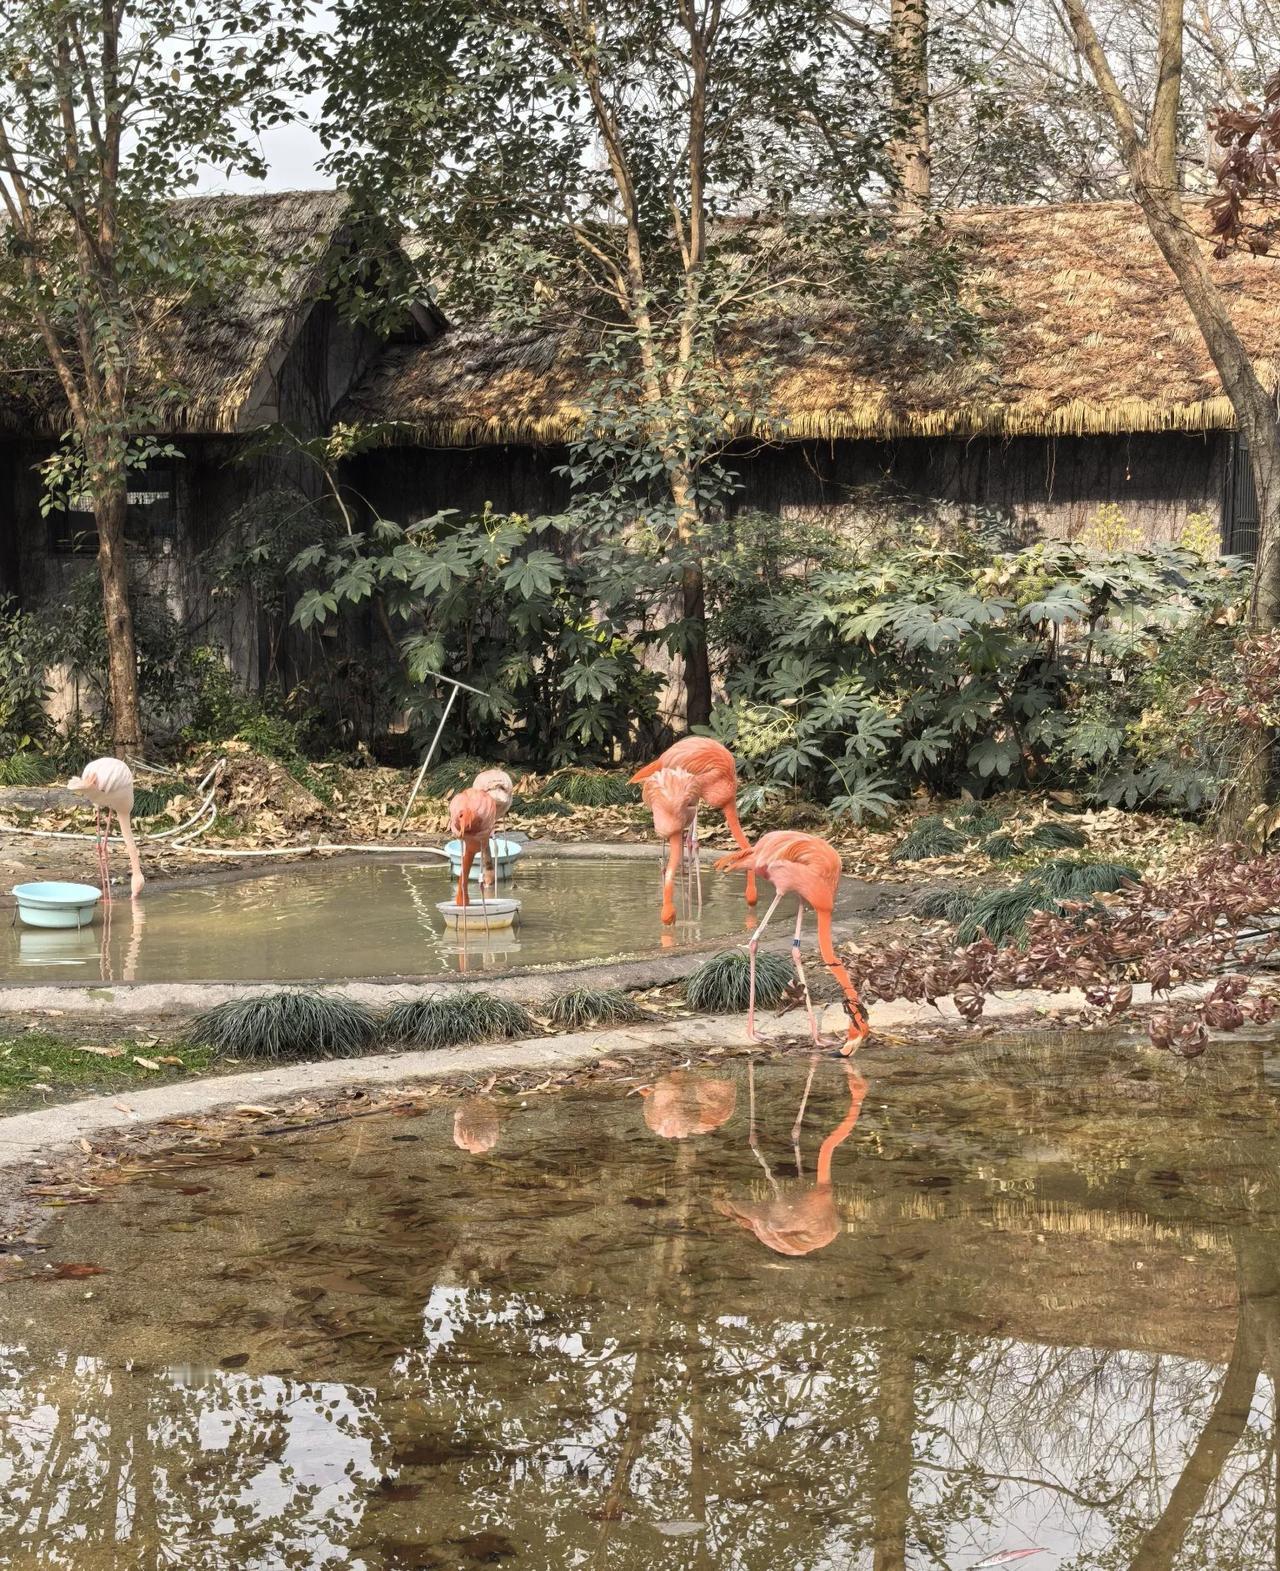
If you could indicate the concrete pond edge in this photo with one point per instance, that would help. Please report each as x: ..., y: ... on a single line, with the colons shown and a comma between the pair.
x: 29, y: 1138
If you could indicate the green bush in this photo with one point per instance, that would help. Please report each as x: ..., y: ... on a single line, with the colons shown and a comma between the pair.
x: 450, y: 1019
x: 591, y: 788
x: 721, y: 985
x: 1002, y: 914
x: 953, y: 664
x: 296, y: 1023
x: 592, y: 1006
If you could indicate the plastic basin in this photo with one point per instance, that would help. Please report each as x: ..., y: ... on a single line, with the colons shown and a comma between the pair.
x: 479, y: 917
x: 56, y: 904
x: 504, y: 854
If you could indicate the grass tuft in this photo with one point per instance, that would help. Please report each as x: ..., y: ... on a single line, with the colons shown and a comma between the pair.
x: 947, y: 905
x: 975, y: 818
x: 454, y: 775
x: 540, y: 807
x: 592, y: 1006
x: 1003, y: 913
x: 292, y: 1024
x: 25, y: 768
x: 1001, y: 847
x: 450, y: 1019
x: 591, y: 788
x: 721, y: 984
x: 931, y: 836
x: 150, y: 800
x: 1076, y: 879
x: 1057, y: 837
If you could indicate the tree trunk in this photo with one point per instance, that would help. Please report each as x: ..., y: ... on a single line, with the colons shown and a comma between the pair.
x: 1254, y: 407
x: 110, y: 504
x: 909, y: 75
x: 693, y: 605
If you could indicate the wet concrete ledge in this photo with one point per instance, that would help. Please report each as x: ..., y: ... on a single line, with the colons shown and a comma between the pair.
x: 28, y: 1138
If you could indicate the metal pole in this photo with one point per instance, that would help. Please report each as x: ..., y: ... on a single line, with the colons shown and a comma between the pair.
x: 426, y: 762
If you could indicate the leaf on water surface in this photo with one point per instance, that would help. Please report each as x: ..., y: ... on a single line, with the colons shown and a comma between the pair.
x: 102, y: 1052
x: 233, y: 1361
x: 122, y: 1107
x: 1007, y: 1556
x: 252, y: 1110
x: 70, y: 1270
x: 85, y: 1146
x: 678, y: 1529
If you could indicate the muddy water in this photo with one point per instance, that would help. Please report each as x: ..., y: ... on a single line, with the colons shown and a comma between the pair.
x: 983, y: 1301
x: 371, y: 919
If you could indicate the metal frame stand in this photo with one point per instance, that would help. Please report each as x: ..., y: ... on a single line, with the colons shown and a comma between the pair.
x: 435, y: 740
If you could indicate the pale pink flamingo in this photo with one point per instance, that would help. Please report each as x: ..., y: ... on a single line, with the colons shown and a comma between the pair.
x: 671, y: 795
x: 499, y: 785
x: 680, y: 1105
x: 472, y: 815
x: 798, y: 1221
x: 810, y: 868
x: 712, y: 766
x: 108, y: 784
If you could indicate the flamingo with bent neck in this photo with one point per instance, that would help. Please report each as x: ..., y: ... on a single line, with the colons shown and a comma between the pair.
x: 108, y: 783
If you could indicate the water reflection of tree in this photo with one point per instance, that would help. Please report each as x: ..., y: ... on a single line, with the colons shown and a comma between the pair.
x: 106, y: 1468
x: 702, y: 1392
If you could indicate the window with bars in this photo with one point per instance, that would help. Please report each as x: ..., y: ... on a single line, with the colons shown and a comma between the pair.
x: 152, y: 515
x: 1240, y: 502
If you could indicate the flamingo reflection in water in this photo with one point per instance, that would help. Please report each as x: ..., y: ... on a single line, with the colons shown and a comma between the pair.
x: 682, y: 1105
x: 796, y: 1221
x: 477, y: 1125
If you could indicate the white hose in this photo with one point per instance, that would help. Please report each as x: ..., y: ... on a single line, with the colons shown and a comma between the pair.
x: 204, y: 818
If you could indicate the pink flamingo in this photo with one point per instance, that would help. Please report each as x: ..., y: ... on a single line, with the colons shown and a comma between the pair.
x: 472, y: 815
x: 810, y: 868
x: 108, y: 784
x: 797, y: 1222
x: 671, y: 795
x: 712, y: 766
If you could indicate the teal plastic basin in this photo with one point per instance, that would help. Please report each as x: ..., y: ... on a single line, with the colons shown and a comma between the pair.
x: 56, y: 904
x: 505, y: 853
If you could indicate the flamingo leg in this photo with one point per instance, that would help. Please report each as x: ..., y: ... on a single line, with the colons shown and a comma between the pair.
x: 734, y: 825
x: 674, y: 849
x: 468, y: 857
x: 798, y: 963
x: 858, y: 1030
x: 102, y: 823
x: 752, y: 946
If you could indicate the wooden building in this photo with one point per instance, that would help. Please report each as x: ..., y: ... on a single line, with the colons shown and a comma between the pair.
x: 1091, y: 387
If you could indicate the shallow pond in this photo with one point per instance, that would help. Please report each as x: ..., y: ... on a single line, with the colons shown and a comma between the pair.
x: 985, y: 1300
x: 372, y: 919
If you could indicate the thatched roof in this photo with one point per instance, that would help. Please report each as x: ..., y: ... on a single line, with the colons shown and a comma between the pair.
x: 223, y: 353
x: 1088, y: 334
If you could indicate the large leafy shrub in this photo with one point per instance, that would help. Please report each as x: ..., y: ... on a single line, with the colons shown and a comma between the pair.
x: 956, y: 664
x: 502, y: 602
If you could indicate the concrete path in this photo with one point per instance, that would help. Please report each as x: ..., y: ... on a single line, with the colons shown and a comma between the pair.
x: 31, y: 1137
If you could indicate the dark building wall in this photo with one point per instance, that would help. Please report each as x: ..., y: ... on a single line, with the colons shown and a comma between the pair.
x: 1050, y: 487
x: 409, y: 483
x: 215, y: 482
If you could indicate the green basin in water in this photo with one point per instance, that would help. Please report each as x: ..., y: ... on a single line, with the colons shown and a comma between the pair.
x: 56, y: 904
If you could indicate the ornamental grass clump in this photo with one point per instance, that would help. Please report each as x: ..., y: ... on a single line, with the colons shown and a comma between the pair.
x: 591, y: 788
x: 1002, y: 914
x: 946, y: 905
x: 450, y: 1019
x: 721, y: 985
x: 592, y: 1006
x: 292, y: 1024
